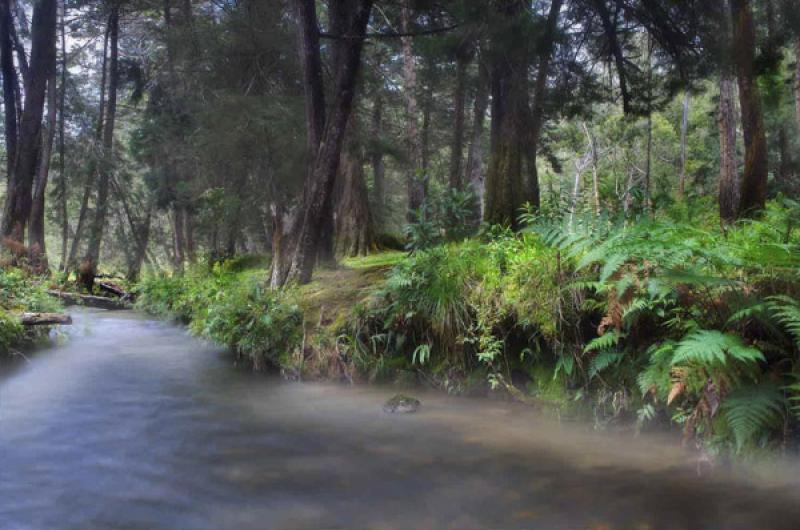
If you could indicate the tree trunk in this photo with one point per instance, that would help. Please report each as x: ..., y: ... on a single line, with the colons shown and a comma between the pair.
x: 753, y: 193
x: 539, y: 96
x: 10, y: 83
x: 62, y: 174
x: 36, y: 240
x: 505, y: 185
x: 107, y: 161
x: 320, y: 186
x: 43, y: 49
x: 475, y: 153
x: 414, y: 181
x: 178, y: 238
x: 457, y: 149
x: 88, y: 187
x: 593, y: 158
x: 378, y: 166
x: 354, y: 229
x: 728, y: 175
x: 684, y: 130
x: 191, y: 246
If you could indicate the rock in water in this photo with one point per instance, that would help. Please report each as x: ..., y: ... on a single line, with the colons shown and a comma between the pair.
x: 401, y: 404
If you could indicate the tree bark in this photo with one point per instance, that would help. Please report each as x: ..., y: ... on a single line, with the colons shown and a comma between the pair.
x: 354, y: 229
x: 378, y: 165
x: 753, y: 193
x: 178, y: 238
x: 10, y: 83
x: 505, y: 185
x: 107, y: 161
x: 414, y: 181
x: 684, y: 130
x: 43, y: 49
x: 474, y: 167
x: 320, y: 184
x: 539, y: 97
x: 62, y: 173
x: 457, y: 148
x: 36, y: 239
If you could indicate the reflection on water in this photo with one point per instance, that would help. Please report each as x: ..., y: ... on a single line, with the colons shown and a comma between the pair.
x: 134, y: 425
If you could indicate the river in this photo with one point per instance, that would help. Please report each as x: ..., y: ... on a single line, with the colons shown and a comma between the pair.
x: 133, y: 424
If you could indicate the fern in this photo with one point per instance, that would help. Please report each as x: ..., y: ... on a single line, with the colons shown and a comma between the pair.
x: 603, y: 342
x: 711, y: 347
x: 603, y: 361
x: 787, y: 311
x: 752, y: 410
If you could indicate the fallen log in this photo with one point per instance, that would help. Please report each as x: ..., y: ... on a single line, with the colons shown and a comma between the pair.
x: 112, y: 288
x: 45, y: 319
x: 99, y: 302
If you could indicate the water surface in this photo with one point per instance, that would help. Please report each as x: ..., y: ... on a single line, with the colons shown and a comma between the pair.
x: 132, y: 424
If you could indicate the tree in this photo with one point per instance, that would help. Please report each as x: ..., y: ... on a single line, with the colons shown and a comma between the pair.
x: 753, y: 194
x: 415, y: 182
x: 106, y: 168
x: 320, y: 180
x: 43, y: 49
x: 10, y: 82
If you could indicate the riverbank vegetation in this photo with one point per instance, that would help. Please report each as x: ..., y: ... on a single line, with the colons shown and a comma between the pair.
x: 587, y: 205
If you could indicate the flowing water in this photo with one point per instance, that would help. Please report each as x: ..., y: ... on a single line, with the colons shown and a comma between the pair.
x: 132, y: 424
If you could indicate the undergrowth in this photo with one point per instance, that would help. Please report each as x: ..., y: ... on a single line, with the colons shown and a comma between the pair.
x: 20, y: 292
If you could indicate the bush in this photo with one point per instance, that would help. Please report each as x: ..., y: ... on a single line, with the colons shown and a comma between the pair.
x: 20, y: 292
x: 230, y: 307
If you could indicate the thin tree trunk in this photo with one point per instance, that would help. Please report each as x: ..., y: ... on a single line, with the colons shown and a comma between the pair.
x: 326, y: 164
x: 10, y: 83
x: 594, y: 161
x: 43, y: 49
x: 753, y: 193
x: 62, y: 174
x: 457, y: 149
x: 107, y: 161
x: 414, y: 181
x: 178, y: 239
x: 191, y: 246
x: 36, y: 239
x: 475, y: 153
x: 378, y: 166
x: 684, y: 130
x: 88, y: 187
x: 539, y: 97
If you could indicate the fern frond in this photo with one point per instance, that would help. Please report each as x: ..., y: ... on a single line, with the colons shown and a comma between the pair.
x: 603, y: 361
x: 711, y: 347
x: 603, y: 342
x: 752, y: 410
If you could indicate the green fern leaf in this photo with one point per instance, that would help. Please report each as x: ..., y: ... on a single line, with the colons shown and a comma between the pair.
x: 711, y: 347
x: 751, y: 411
x: 603, y: 342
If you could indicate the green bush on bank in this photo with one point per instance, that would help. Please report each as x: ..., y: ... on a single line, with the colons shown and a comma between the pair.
x: 230, y: 307
x: 19, y: 293
x: 666, y: 319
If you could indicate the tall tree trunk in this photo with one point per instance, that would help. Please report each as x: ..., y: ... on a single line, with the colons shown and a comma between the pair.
x: 62, y: 173
x: 457, y: 148
x: 191, y: 245
x: 505, y: 185
x: 684, y: 130
x: 43, y: 49
x: 91, y: 176
x: 141, y: 241
x: 107, y: 160
x: 378, y: 166
x: 10, y: 83
x: 354, y: 229
x: 474, y: 167
x: 414, y: 181
x: 320, y: 185
x: 728, y: 175
x: 36, y: 240
x: 547, y: 46
x: 753, y: 193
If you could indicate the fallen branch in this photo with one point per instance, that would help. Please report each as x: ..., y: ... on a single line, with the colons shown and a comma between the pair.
x: 45, y: 319
x: 99, y: 302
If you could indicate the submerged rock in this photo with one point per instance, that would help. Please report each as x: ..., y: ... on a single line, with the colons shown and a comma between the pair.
x: 401, y: 404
